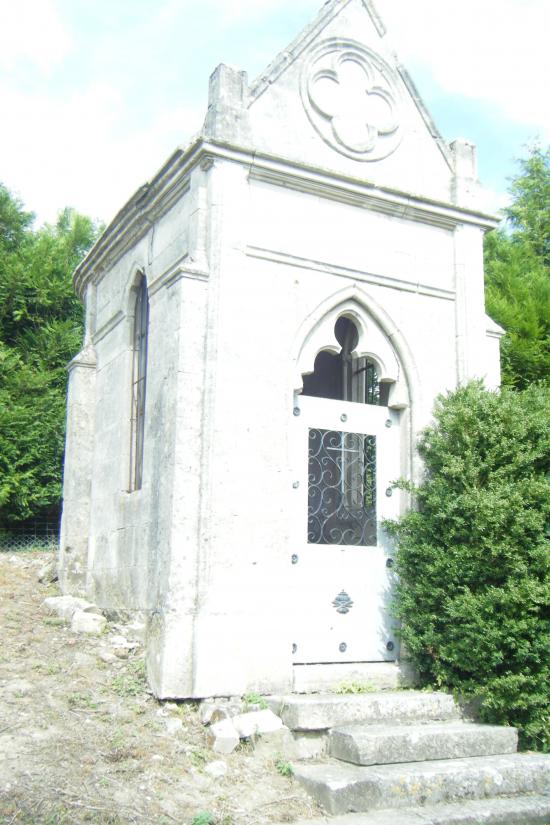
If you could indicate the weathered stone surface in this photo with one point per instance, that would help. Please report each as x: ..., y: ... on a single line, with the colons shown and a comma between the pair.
x: 523, y: 810
x: 217, y: 769
x: 91, y: 623
x: 310, y: 744
x: 64, y: 606
x: 319, y: 712
x: 107, y: 657
x: 257, y: 722
x: 214, y: 710
x: 276, y: 744
x: 93, y: 608
x: 222, y: 737
x: 48, y: 572
x: 384, y: 744
x: 342, y: 788
x: 379, y: 675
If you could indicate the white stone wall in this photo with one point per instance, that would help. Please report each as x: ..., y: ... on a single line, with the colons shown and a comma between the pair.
x: 245, y: 250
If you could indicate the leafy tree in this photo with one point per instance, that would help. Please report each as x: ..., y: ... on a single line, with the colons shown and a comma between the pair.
x: 517, y: 269
x: 473, y: 557
x: 40, y: 330
x: 529, y: 213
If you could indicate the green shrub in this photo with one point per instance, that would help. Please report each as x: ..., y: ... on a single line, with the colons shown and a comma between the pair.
x: 473, y: 556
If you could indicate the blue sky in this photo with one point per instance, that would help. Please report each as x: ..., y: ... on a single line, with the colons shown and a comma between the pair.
x: 97, y: 93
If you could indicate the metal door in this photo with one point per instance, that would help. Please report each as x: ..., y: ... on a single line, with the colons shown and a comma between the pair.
x: 347, y: 455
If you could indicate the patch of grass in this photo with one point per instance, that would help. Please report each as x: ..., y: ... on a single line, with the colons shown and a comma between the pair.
x: 203, y: 818
x: 54, y: 621
x: 354, y: 687
x: 132, y: 682
x: 187, y: 709
x: 81, y: 701
x: 284, y: 768
x: 51, y: 668
x: 198, y: 757
x: 139, y: 709
x: 245, y: 746
x: 255, y: 699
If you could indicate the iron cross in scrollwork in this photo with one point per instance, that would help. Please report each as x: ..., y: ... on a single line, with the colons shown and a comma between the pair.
x: 342, y: 602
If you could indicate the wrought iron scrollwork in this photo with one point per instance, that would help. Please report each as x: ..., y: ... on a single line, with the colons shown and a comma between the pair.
x: 341, y: 488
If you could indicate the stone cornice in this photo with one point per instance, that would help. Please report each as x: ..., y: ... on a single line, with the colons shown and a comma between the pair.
x: 153, y: 199
x: 148, y: 204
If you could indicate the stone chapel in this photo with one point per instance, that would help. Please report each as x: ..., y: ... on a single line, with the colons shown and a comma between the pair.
x: 268, y: 323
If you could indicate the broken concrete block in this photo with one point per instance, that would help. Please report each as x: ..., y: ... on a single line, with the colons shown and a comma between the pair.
x: 64, y: 606
x: 256, y: 722
x: 87, y: 623
x: 214, y: 710
x: 223, y: 737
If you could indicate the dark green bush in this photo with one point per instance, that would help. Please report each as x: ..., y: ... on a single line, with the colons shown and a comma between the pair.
x: 473, y: 556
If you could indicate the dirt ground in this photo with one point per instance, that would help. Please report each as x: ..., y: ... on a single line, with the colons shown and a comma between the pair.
x: 82, y: 740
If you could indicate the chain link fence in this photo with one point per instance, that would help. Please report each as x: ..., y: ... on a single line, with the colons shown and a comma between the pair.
x: 40, y: 536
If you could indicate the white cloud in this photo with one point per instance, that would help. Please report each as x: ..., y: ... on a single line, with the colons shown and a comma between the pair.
x: 77, y: 152
x: 249, y: 11
x: 90, y: 144
x: 32, y: 31
x: 494, y: 51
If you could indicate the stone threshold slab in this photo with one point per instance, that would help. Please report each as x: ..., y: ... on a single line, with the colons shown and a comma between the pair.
x: 330, y: 677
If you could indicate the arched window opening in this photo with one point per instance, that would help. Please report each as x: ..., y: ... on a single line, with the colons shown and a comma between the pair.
x: 343, y: 377
x: 139, y: 382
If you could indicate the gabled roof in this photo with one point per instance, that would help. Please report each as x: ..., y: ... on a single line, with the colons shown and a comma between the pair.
x: 330, y: 10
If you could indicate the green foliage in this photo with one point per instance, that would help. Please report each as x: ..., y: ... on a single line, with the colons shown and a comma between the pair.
x: 284, y: 768
x: 518, y: 298
x: 256, y: 700
x: 349, y: 688
x: 529, y: 213
x: 204, y: 818
x: 132, y: 681
x: 474, y: 556
x: 517, y: 274
x: 40, y: 331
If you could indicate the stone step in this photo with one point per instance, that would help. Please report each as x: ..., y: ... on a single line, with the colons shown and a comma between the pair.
x: 521, y: 810
x: 342, y: 788
x: 322, y: 711
x: 328, y: 677
x: 386, y: 744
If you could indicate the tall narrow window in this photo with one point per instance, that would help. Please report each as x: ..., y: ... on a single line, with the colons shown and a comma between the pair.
x: 139, y: 382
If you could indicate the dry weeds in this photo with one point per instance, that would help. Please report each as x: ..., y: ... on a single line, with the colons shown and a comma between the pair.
x: 84, y: 741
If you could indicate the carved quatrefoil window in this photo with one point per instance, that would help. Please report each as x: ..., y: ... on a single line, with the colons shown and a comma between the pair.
x: 352, y: 98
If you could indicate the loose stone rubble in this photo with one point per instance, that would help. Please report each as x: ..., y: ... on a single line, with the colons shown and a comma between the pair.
x: 83, y: 622
x: 228, y: 726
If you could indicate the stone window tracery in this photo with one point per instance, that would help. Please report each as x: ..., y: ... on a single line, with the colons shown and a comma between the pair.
x: 345, y: 376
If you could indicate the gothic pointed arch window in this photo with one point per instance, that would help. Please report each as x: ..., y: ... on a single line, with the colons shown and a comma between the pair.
x: 342, y: 464
x: 345, y: 377
x: 139, y: 382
